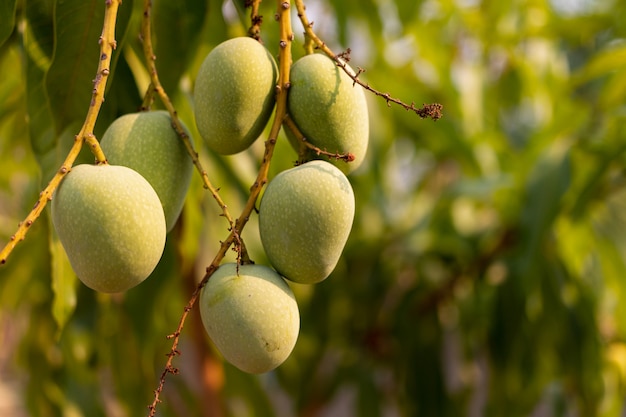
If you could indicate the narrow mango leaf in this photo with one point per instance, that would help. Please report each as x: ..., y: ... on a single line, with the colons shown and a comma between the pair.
x: 38, y: 15
x: 12, y: 129
x: 63, y: 278
x: 547, y: 184
x: 38, y: 44
x: 608, y: 221
x: 63, y: 284
x: 177, y: 28
x: 7, y: 23
x: 576, y: 245
x: 242, y: 11
x: 614, y: 90
x: 601, y: 64
x: 613, y: 268
x: 69, y: 81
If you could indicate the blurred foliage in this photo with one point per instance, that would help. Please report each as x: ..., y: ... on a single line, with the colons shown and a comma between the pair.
x: 487, y: 263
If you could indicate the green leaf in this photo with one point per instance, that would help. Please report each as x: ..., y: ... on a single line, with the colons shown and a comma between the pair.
x: 38, y: 45
x: 12, y: 127
x: 547, y: 183
x: 601, y: 64
x: 614, y: 90
x: 176, y: 31
x: 7, y: 23
x: 242, y: 11
x: 63, y: 284
x: 69, y: 81
x: 39, y: 19
x: 63, y: 278
x: 61, y: 82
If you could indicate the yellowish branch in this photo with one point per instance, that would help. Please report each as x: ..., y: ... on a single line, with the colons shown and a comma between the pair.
x: 310, y: 35
x: 85, y: 135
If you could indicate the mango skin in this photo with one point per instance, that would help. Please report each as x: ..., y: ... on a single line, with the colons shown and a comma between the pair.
x: 111, y: 225
x: 234, y: 94
x: 305, y: 218
x: 148, y: 143
x: 252, y: 318
x: 330, y: 112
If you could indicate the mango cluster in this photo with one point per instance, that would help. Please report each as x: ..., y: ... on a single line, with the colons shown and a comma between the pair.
x: 112, y: 219
x: 306, y: 212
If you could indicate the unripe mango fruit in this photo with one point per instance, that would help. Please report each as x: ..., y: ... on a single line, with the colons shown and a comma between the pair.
x: 234, y: 94
x: 305, y: 217
x: 111, y: 225
x: 251, y: 316
x: 148, y: 143
x: 329, y: 110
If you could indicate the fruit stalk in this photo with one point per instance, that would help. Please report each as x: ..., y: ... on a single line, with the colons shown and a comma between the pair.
x: 286, y: 36
x: 305, y: 144
x: 156, y: 87
x: 107, y: 45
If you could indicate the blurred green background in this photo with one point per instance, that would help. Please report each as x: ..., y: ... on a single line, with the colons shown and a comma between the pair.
x: 486, y: 268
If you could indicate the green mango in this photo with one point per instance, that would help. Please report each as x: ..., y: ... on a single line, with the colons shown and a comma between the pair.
x: 328, y: 109
x: 111, y: 225
x: 234, y: 94
x: 305, y: 218
x: 251, y: 315
x: 148, y: 143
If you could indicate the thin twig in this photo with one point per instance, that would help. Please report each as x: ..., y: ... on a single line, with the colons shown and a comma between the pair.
x: 427, y: 110
x: 148, y: 98
x: 281, y: 110
x: 156, y: 87
x: 85, y: 135
x: 434, y: 111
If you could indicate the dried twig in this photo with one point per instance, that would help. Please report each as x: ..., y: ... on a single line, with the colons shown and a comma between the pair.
x: 434, y: 111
